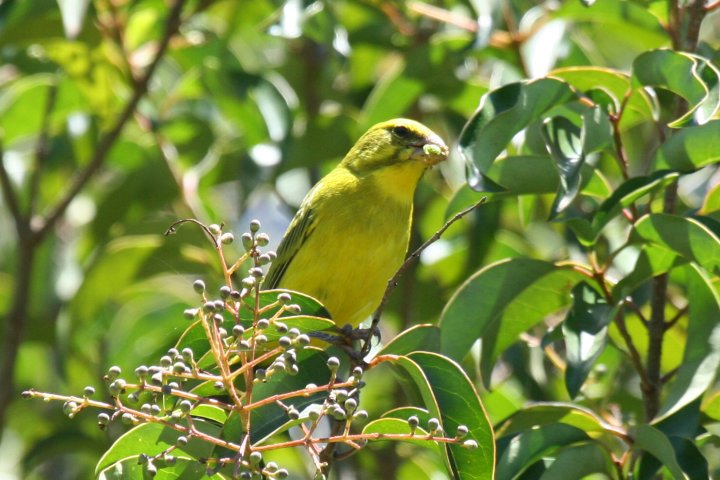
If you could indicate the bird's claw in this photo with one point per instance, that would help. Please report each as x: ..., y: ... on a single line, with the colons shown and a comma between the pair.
x: 345, y: 338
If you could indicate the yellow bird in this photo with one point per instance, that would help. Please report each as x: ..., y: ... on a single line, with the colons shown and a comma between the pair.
x: 352, y: 230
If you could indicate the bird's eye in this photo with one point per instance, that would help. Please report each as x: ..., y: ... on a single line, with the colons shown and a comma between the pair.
x: 401, y: 131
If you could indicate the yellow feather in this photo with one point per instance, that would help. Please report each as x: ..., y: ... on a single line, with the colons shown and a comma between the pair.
x: 351, y: 232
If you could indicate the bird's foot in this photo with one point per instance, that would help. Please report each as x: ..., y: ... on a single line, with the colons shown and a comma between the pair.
x: 346, y: 338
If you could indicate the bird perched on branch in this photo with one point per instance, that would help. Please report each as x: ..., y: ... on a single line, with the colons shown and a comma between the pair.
x: 352, y: 230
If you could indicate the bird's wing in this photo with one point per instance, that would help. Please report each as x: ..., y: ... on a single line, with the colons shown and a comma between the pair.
x: 297, y: 233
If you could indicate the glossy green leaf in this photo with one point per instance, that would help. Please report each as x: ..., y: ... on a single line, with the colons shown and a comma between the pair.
x: 450, y: 397
x: 550, y: 413
x: 500, y: 302
x: 503, y: 113
x: 418, y: 337
x: 585, y: 329
x: 656, y: 443
x: 562, y: 139
x: 396, y: 426
x: 22, y: 105
x: 652, y: 261
x: 528, y: 447
x: 580, y: 461
x: 642, y: 29
x: 685, y: 236
x: 691, y: 148
x: 403, y: 413
x: 629, y: 192
x: 689, y: 76
x: 153, y: 438
x: 616, y: 84
x: 129, y: 468
x: 537, y: 174
x: 701, y: 358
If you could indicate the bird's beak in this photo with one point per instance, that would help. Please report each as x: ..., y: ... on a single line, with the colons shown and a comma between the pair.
x: 431, y: 151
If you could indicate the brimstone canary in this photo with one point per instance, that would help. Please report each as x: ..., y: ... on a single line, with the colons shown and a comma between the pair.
x: 352, y: 230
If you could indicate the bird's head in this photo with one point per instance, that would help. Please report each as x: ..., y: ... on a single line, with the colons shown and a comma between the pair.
x: 396, y: 142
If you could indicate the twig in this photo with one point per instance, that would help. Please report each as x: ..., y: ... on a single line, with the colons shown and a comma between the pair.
x: 108, y: 140
x: 392, y: 283
x: 41, y: 149
x: 634, y: 353
x: 680, y: 314
x: 444, y: 16
x: 31, y: 236
x: 712, y: 6
x: 11, y: 200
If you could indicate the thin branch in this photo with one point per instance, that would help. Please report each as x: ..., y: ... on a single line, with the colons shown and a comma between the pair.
x: 11, y: 199
x: 634, y: 353
x: 445, y: 16
x: 393, y: 282
x: 668, y: 376
x: 656, y: 334
x: 31, y: 236
x: 615, y: 120
x: 712, y: 6
x: 41, y: 149
x: 108, y: 140
x: 629, y: 302
x: 680, y: 314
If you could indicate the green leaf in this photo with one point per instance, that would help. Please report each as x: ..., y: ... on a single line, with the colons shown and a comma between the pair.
x: 657, y: 444
x: 182, y: 468
x: 625, y: 27
x: 121, y: 261
x: 500, y: 302
x: 580, y: 461
x: 711, y: 204
x: 529, y: 447
x: 535, y: 174
x: 701, y: 359
x: 585, y: 329
x: 638, y: 106
x: 391, y: 97
x: 153, y: 438
x: 417, y: 337
x: 551, y: 413
x: 629, y: 192
x: 503, y: 113
x: 562, y: 139
x: 685, y: 236
x: 652, y: 261
x: 691, y: 148
x: 450, y: 397
x: 22, y: 105
x: 689, y: 76
x: 397, y: 426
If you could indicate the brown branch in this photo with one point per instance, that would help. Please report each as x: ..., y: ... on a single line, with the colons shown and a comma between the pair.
x: 32, y: 236
x: 632, y: 349
x: 11, y: 200
x: 444, y: 16
x: 41, y: 149
x: 108, y: 140
x: 680, y: 314
x: 712, y: 6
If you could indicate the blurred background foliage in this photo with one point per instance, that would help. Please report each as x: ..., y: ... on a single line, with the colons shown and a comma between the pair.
x: 249, y: 103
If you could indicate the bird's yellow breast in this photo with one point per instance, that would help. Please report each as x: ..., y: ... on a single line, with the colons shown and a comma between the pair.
x: 359, y: 240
